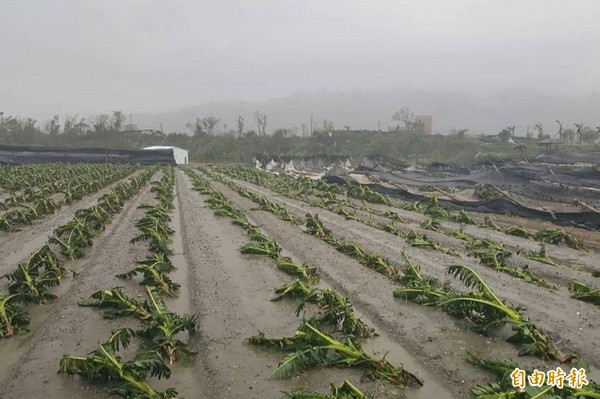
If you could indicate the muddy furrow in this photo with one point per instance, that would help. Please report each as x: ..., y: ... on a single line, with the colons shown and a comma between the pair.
x: 231, y: 296
x: 188, y: 378
x: 16, y: 246
x: 62, y: 327
x: 575, y: 322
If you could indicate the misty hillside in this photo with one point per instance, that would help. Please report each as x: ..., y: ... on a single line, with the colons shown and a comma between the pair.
x: 362, y: 109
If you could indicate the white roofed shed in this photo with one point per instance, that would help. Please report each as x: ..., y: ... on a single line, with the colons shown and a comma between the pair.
x: 179, y: 154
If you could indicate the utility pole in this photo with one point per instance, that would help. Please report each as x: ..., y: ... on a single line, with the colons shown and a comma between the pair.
x: 161, y: 129
x: 311, y: 124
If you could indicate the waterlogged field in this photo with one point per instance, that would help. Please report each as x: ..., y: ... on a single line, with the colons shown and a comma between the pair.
x: 231, y: 282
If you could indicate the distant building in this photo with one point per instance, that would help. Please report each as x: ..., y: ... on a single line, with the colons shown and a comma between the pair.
x: 179, y: 154
x: 424, y: 124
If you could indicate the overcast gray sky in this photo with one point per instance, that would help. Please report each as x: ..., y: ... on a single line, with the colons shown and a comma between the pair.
x: 67, y: 56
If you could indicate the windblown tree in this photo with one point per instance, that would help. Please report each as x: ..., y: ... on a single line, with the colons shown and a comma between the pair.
x: 101, y: 124
x: 261, y: 121
x: 197, y: 128
x: 52, y: 127
x: 304, y: 129
x: 240, y: 125
x: 588, y: 135
x: 459, y: 133
x: 210, y: 123
x: 205, y: 126
x: 406, y: 116
x: 117, y: 121
x: 506, y: 134
x: 579, y: 132
x: 560, y: 130
x: 328, y: 126
x: 540, y: 130
x: 74, y: 126
x: 569, y: 136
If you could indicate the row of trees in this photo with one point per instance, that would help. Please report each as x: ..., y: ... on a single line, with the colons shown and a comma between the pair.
x: 209, y: 125
x: 212, y: 142
x: 26, y: 130
x: 579, y: 134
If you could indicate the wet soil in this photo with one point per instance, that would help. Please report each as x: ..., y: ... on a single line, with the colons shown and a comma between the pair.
x: 230, y: 294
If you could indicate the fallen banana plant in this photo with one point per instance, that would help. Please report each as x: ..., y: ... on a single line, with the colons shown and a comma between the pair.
x: 155, y: 229
x: 154, y: 270
x: 541, y: 255
x: 484, y: 243
x: 556, y: 236
x: 72, y: 245
x: 338, y: 312
x: 489, y: 223
x: 518, y: 231
x: 461, y: 217
x: 105, y: 364
x: 391, y: 215
x: 418, y: 288
x: 392, y: 229
x: 431, y: 224
x: 31, y: 286
x: 117, y: 303
x: 481, y: 307
x: 294, y: 290
x: 434, y: 209
x: 418, y: 240
x: 412, y: 206
x: 162, y: 326
x: 497, y: 260
x: 584, y: 292
x: 315, y: 227
x: 13, y: 319
x: 485, y: 310
x: 31, y: 279
x: 311, y: 348
x: 266, y: 247
x: 306, y: 273
x: 461, y: 235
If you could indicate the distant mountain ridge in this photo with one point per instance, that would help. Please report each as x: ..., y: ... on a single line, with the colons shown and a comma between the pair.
x: 368, y: 109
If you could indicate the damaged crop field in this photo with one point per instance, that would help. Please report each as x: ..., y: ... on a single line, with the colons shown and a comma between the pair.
x: 237, y: 282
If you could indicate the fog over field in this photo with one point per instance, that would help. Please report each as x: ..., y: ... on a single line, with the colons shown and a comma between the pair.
x: 475, y: 64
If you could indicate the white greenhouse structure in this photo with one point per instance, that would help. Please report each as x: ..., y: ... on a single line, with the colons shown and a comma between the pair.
x: 179, y: 154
